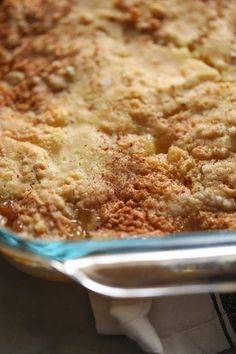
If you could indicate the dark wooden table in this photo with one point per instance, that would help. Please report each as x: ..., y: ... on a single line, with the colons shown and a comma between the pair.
x: 41, y: 317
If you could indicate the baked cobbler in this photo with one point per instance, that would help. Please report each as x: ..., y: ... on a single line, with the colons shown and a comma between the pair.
x: 117, y: 118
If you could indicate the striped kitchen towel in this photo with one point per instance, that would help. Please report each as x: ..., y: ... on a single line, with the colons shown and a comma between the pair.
x: 193, y: 324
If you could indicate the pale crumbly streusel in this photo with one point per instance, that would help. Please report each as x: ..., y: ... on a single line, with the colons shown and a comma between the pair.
x: 117, y: 118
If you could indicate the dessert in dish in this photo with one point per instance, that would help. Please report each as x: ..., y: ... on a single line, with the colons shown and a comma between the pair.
x: 117, y: 118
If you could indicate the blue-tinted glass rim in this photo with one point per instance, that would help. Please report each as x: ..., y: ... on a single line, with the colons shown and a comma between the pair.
x: 65, y: 250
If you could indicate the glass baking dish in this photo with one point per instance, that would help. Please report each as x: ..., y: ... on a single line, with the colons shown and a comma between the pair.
x: 135, y: 267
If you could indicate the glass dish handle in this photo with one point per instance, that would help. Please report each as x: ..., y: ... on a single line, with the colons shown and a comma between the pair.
x: 155, y: 273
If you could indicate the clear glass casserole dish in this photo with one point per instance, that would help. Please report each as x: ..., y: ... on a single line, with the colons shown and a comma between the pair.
x: 137, y: 267
x: 129, y: 113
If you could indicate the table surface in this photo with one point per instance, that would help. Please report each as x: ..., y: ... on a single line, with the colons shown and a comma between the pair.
x: 42, y: 317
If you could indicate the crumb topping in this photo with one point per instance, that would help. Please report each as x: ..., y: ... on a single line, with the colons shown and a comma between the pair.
x: 117, y: 118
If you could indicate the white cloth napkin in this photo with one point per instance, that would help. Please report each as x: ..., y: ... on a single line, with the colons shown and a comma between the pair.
x: 196, y: 324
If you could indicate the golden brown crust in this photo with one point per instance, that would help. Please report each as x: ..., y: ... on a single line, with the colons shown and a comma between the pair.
x: 117, y: 117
